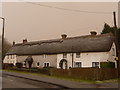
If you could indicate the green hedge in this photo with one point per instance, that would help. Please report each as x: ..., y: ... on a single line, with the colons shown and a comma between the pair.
x: 107, y: 65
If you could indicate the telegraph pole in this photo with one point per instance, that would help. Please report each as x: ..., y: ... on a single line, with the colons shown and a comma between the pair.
x: 3, y: 38
x: 116, y: 43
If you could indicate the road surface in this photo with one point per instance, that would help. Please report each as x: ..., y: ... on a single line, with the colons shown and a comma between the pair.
x: 19, y: 80
x: 15, y: 82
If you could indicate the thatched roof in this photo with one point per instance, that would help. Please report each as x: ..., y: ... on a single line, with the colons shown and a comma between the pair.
x: 88, y: 43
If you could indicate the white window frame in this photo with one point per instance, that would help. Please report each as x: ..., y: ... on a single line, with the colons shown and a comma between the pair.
x: 76, y: 65
x: 95, y: 64
x: 77, y: 56
x: 64, y: 55
x: 44, y: 56
x: 46, y: 62
x: 10, y: 56
x: 37, y: 64
x: 7, y: 56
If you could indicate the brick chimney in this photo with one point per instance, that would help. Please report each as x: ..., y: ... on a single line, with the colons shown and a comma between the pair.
x: 64, y: 36
x: 93, y: 33
x: 13, y: 42
x: 24, y: 41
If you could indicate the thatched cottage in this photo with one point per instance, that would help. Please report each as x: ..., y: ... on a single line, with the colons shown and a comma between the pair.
x: 66, y: 52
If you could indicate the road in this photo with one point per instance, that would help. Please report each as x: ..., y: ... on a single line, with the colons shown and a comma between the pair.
x: 15, y: 82
x: 19, y: 80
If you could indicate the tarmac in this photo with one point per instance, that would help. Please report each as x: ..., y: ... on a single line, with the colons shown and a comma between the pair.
x: 61, y: 82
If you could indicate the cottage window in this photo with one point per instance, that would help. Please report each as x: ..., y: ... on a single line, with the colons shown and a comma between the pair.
x: 78, y: 64
x: 64, y: 55
x: 8, y: 57
x: 38, y: 64
x: 46, y: 64
x: 44, y: 56
x: 13, y: 56
x: 77, y: 55
x: 95, y: 64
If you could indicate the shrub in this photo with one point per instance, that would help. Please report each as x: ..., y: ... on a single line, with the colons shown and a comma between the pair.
x: 7, y: 65
x: 107, y: 65
x: 19, y: 65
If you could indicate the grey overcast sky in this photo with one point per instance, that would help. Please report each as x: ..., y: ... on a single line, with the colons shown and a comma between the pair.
x: 34, y: 22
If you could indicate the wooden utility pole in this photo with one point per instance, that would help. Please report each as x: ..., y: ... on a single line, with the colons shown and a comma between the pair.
x: 3, y: 38
x: 116, y: 43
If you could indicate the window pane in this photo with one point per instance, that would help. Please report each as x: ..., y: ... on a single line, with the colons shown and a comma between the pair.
x: 78, y: 64
x: 64, y: 55
x: 47, y: 64
x: 45, y: 56
x: 95, y: 64
x: 38, y: 63
x: 44, y: 64
x: 11, y: 56
x: 77, y: 55
x: 8, y: 57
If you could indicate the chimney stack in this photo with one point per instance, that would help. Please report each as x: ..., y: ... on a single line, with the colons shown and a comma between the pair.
x: 24, y: 41
x: 93, y: 33
x: 13, y: 42
x: 64, y: 36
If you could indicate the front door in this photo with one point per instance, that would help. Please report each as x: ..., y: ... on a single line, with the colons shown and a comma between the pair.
x: 64, y: 65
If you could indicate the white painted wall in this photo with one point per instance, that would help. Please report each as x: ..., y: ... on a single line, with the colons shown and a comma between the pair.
x: 52, y: 59
x: 69, y: 59
x: 87, y: 58
x: 10, y: 60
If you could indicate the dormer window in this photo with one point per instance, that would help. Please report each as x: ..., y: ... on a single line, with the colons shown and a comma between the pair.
x: 64, y: 55
x: 8, y: 57
x: 77, y: 55
x: 44, y: 56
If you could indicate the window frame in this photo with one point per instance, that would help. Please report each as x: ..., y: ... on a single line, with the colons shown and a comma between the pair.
x: 37, y: 64
x: 44, y: 56
x: 95, y: 65
x: 46, y: 64
x: 64, y: 55
x: 10, y: 56
x: 79, y: 65
x: 77, y: 56
x: 7, y: 56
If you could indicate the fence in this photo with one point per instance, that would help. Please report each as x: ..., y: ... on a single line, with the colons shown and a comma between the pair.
x: 87, y: 73
x: 78, y: 73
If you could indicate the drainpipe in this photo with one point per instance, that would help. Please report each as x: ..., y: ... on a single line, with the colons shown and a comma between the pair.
x: 72, y: 59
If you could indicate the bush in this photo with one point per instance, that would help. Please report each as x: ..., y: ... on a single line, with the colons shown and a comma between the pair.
x: 107, y: 65
x: 19, y: 65
x: 7, y: 65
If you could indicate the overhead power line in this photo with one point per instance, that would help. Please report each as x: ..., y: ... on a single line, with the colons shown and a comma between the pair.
x: 73, y: 10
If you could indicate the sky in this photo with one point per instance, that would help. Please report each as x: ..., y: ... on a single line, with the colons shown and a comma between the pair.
x: 40, y: 22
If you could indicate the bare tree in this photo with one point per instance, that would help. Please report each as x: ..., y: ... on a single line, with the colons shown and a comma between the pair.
x: 7, y: 46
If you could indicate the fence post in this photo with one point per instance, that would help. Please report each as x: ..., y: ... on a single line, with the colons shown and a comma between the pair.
x: 69, y: 72
x: 98, y: 73
x: 51, y: 72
